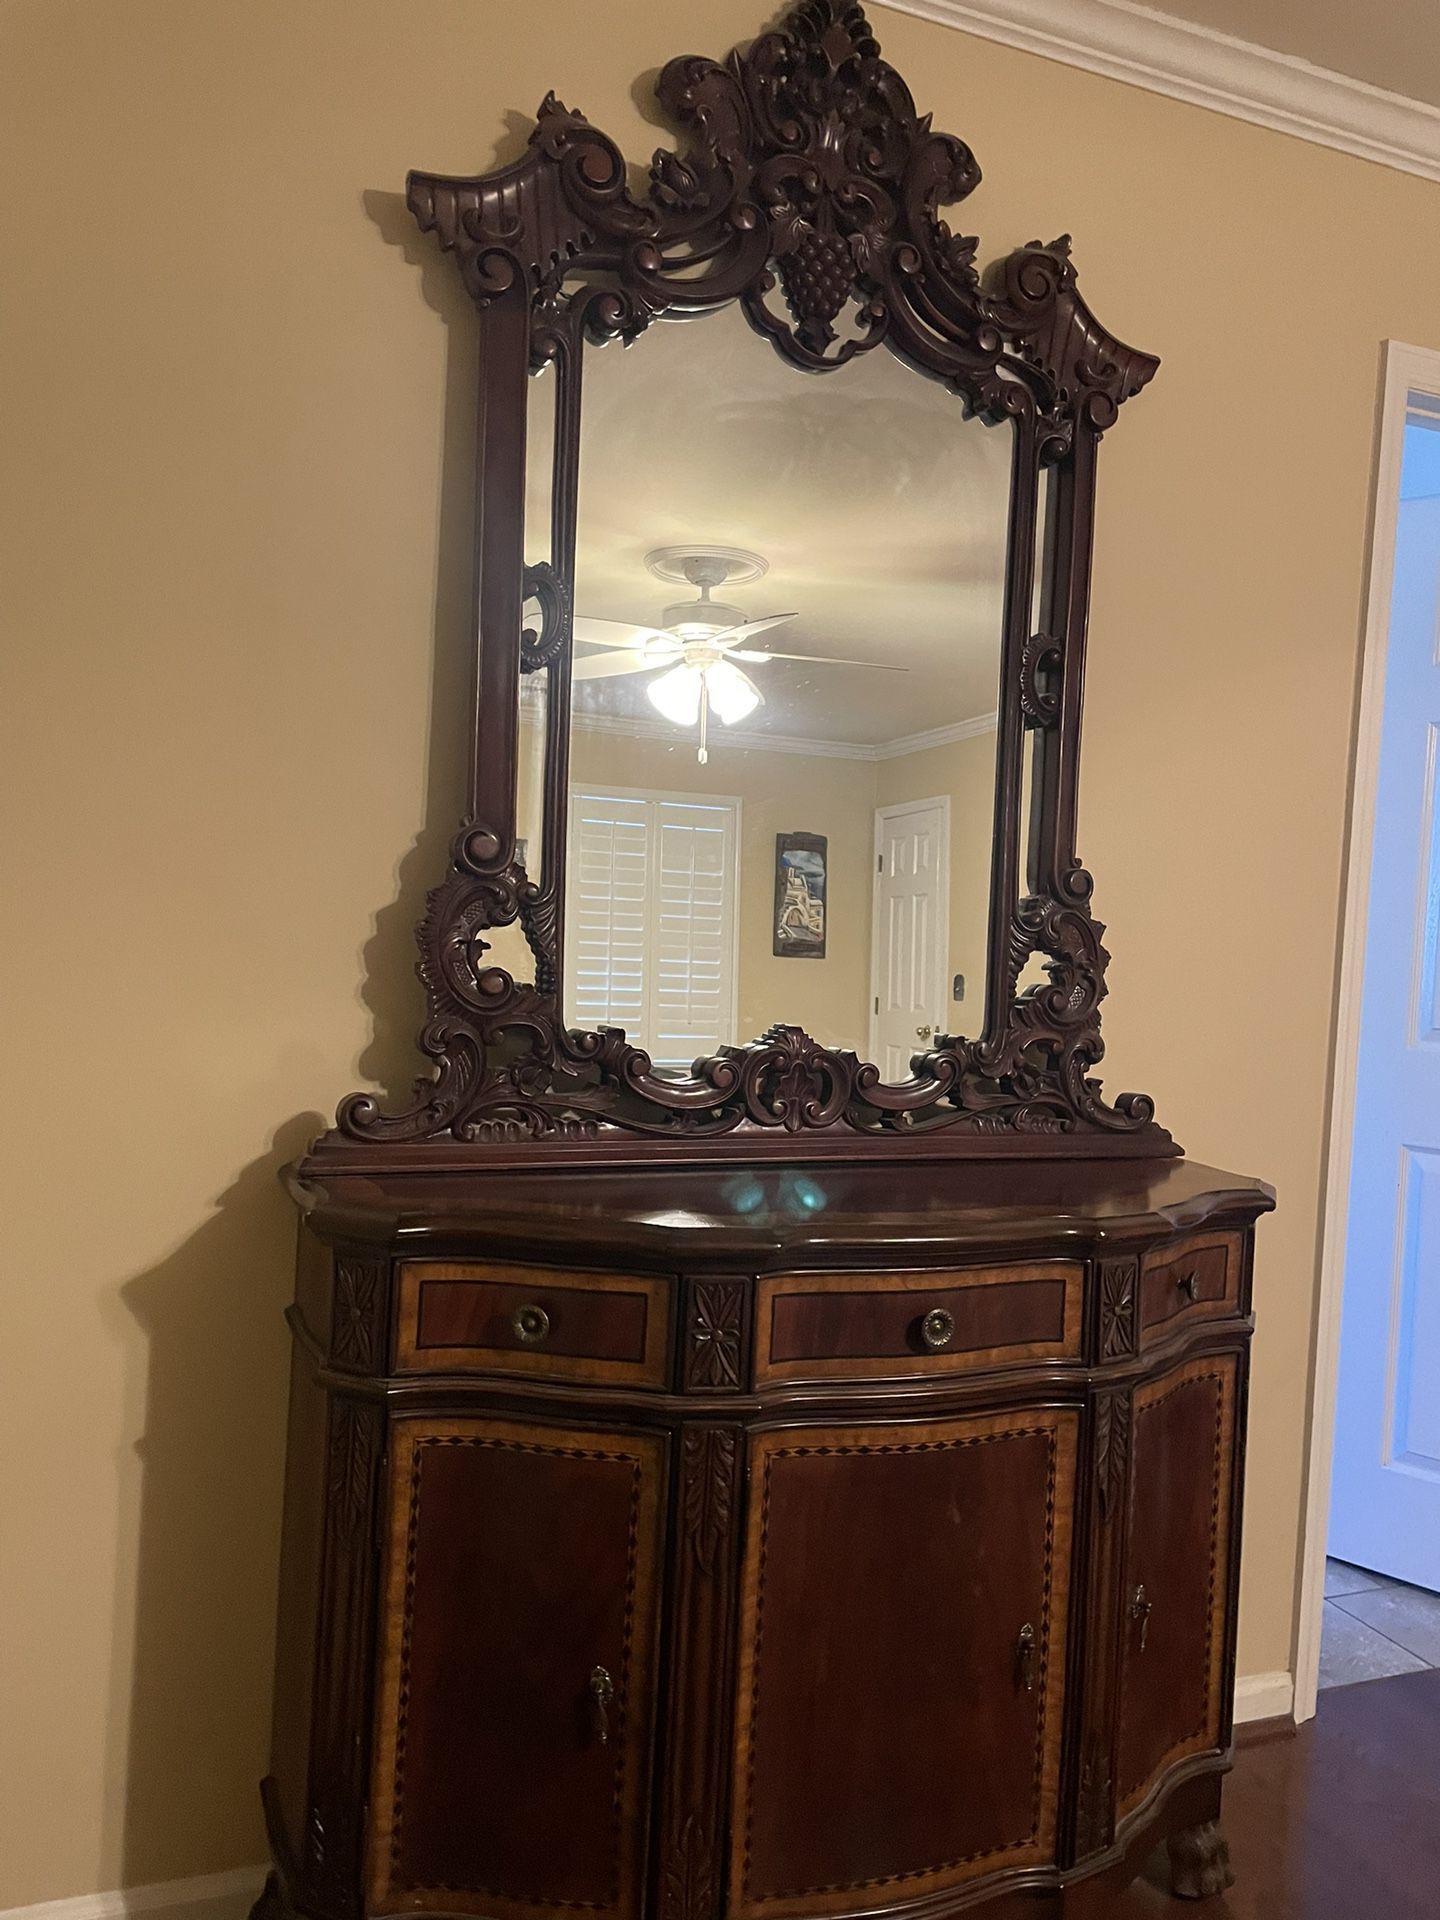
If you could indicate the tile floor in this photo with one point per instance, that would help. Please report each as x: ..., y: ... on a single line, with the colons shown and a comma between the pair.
x: 1375, y: 1626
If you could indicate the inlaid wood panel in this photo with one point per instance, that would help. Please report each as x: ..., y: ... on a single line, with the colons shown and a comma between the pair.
x: 902, y: 1654
x: 1195, y: 1280
x: 1175, y: 1596
x: 552, y: 1323
x: 517, y: 1680
x: 870, y: 1325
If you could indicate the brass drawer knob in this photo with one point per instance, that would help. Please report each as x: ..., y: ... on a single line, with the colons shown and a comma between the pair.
x: 1189, y: 1285
x: 937, y: 1329
x: 530, y: 1325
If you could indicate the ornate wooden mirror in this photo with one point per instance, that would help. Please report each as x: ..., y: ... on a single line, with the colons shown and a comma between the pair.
x: 726, y: 877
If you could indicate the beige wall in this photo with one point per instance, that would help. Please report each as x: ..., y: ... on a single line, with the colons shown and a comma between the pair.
x: 235, y: 403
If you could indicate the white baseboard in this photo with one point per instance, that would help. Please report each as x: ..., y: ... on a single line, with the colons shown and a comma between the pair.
x: 209, y: 1896
x: 1264, y: 1696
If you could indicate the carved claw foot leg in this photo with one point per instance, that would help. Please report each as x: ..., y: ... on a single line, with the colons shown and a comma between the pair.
x: 1200, y: 1863
x: 272, y: 1904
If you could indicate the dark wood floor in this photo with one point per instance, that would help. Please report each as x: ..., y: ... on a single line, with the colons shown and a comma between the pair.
x: 1338, y: 1822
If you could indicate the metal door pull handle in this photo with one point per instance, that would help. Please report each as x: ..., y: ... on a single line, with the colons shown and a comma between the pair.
x: 602, y: 1692
x: 1025, y: 1657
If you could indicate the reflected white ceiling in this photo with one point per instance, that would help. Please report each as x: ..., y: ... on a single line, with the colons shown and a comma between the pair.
x: 881, y: 510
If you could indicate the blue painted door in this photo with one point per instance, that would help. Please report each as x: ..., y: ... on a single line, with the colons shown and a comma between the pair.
x: 1385, y: 1511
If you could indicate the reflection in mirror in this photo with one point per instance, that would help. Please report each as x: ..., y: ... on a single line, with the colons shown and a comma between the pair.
x: 507, y: 946
x: 788, y: 599
x: 1034, y: 972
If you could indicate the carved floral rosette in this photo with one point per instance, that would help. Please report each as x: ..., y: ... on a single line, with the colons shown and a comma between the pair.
x: 811, y: 192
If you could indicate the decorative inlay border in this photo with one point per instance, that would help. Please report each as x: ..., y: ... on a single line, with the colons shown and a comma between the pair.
x: 1054, y: 1615
x: 1223, y: 1375
x: 412, y: 1449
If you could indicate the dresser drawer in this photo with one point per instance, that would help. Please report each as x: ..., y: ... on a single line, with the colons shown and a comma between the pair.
x: 467, y: 1316
x: 1197, y: 1279
x: 861, y: 1326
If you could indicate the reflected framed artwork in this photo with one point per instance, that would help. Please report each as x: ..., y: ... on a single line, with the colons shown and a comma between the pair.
x: 801, y: 897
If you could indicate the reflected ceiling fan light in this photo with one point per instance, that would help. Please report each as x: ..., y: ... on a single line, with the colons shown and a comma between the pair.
x: 733, y: 694
x: 676, y: 694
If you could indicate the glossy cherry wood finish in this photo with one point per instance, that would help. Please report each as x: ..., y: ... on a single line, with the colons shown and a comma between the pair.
x: 868, y: 1548
x: 516, y: 1679
x: 1197, y: 1280
x: 461, y: 1316
x: 868, y: 1326
x: 904, y: 1611
x: 1174, y: 1618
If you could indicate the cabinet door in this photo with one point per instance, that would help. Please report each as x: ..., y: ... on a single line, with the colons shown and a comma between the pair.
x: 902, y: 1659
x: 1176, y: 1596
x: 512, y: 1746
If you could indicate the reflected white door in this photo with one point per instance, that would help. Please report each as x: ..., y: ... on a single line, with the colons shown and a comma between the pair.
x: 1385, y: 1509
x: 911, y: 927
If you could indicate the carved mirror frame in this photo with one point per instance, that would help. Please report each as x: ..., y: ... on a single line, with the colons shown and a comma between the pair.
x: 810, y: 192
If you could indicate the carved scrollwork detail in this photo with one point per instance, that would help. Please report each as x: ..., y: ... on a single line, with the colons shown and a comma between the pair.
x: 713, y: 1336
x: 1119, y: 1290
x: 687, y: 1890
x: 1041, y: 664
x: 1112, y: 1450
x: 810, y: 190
x: 358, y: 1322
x: 708, y: 1473
x: 1097, y: 1794
x: 542, y: 647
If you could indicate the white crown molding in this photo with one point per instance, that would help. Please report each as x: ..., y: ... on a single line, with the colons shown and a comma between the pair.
x: 1187, y: 62
x: 210, y: 1896
x: 639, y: 729
x: 936, y: 737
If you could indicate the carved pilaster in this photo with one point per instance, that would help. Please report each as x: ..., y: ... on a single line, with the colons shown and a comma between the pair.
x: 714, y: 1336
x: 1093, y: 1824
x: 358, y: 1323
x: 332, y: 1862
x: 1112, y: 1450
x: 1119, y: 1304
x: 704, y: 1574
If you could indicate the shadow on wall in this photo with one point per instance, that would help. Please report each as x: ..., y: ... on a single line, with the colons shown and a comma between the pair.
x: 211, y: 1450
x: 190, y: 1711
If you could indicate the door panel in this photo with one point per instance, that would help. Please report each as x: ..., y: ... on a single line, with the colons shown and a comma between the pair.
x: 522, y: 1561
x: 1385, y: 1507
x: 911, y: 934
x: 894, y: 1736
x: 1176, y: 1590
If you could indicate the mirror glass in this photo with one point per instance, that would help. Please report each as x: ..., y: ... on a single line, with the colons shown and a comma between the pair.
x: 788, y: 600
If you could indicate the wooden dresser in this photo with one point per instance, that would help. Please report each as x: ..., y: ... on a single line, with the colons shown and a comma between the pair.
x: 812, y: 1541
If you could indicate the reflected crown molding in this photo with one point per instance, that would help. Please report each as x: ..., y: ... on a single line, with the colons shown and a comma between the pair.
x: 1204, y: 68
x: 750, y: 741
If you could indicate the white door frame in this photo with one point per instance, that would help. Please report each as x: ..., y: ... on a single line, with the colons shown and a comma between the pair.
x: 1407, y: 370
x: 942, y: 895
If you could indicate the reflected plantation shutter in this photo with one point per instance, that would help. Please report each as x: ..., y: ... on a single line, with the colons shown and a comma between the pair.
x: 650, y: 920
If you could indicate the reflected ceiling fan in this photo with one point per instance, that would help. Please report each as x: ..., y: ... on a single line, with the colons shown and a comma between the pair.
x: 693, y: 654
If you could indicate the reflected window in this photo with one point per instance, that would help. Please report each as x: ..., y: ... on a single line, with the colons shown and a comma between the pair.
x: 652, y: 908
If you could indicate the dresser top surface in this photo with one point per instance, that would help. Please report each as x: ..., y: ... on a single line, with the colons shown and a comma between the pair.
x: 769, y: 1215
